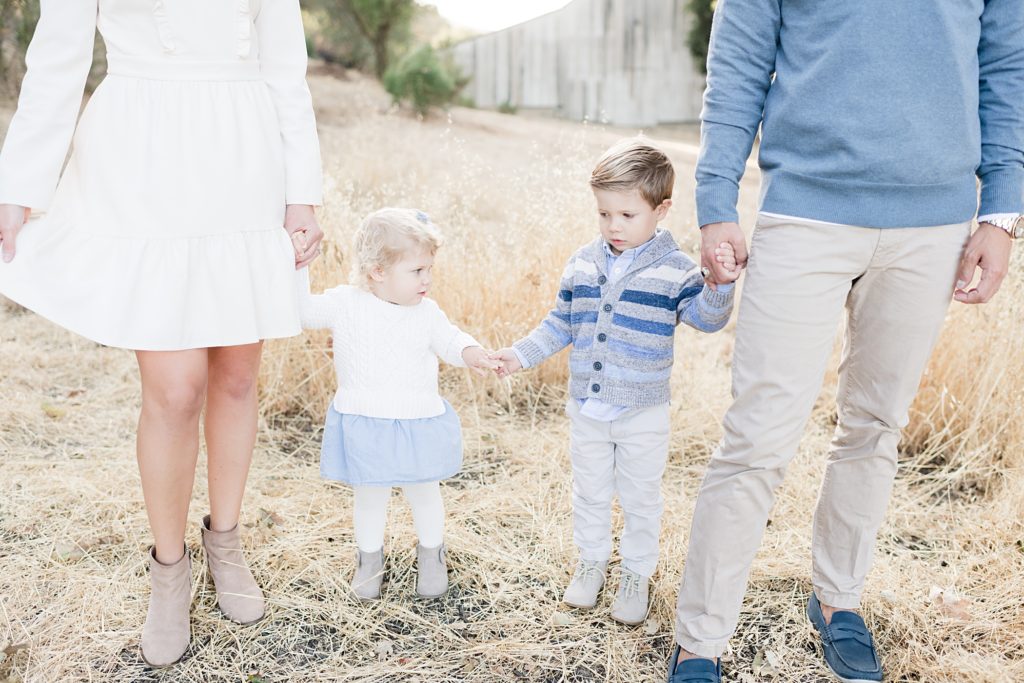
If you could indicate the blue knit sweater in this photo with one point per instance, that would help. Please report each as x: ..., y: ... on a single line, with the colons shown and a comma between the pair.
x: 622, y: 333
x: 873, y: 113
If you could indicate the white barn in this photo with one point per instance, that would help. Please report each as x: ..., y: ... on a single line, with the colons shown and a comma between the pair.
x: 623, y: 62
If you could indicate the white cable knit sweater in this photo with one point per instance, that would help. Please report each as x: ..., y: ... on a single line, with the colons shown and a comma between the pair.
x: 385, y: 355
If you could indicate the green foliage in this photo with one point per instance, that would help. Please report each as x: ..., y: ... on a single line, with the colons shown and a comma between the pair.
x: 424, y: 80
x: 18, y: 19
x: 363, y: 33
x: 17, y: 23
x: 701, y: 14
x: 507, y: 107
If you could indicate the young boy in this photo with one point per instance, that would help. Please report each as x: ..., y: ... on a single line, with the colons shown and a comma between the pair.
x: 620, y: 299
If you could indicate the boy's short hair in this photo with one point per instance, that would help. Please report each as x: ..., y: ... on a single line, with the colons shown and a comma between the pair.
x: 387, y: 234
x: 635, y: 164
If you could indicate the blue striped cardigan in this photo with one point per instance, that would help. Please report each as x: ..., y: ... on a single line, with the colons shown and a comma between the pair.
x: 622, y: 333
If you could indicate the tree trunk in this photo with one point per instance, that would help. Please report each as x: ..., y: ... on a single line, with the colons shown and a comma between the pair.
x: 380, y: 54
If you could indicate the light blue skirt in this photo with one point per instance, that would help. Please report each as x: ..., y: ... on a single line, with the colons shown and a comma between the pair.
x: 371, y: 451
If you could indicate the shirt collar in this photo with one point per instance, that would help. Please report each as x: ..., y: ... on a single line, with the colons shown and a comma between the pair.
x: 629, y: 253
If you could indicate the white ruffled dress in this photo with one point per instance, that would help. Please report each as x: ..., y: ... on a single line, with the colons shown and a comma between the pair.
x: 165, y: 229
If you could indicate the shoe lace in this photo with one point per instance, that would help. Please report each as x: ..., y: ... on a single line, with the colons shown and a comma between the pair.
x: 586, y: 572
x: 630, y: 586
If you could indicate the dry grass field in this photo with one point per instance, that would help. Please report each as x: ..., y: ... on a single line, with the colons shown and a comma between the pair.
x: 512, y: 196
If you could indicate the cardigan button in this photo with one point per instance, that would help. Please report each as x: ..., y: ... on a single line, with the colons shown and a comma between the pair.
x: 601, y: 280
x: 595, y: 388
x: 598, y: 366
x: 607, y: 308
x: 602, y: 337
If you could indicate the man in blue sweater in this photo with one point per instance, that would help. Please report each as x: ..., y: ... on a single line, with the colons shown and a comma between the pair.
x: 878, y: 119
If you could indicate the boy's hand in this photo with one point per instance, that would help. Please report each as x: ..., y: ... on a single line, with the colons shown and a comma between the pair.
x: 725, y: 255
x: 508, y: 361
x: 480, y: 360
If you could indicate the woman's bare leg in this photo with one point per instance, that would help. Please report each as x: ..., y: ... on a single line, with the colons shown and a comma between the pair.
x: 173, y: 390
x: 230, y: 428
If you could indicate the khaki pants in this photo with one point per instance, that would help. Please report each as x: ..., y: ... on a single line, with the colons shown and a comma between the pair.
x: 895, y: 285
x: 626, y: 457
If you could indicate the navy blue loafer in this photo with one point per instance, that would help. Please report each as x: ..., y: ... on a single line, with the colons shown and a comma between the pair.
x: 693, y: 670
x: 849, y: 648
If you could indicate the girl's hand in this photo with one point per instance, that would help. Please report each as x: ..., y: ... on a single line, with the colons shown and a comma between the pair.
x: 305, y: 233
x: 508, y: 360
x: 12, y: 219
x: 479, y: 360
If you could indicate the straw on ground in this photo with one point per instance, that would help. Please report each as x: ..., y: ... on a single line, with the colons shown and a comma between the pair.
x: 944, y: 598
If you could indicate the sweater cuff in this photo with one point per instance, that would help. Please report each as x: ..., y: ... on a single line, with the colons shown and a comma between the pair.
x: 716, y: 201
x: 523, y: 360
x: 529, y: 351
x: 1002, y: 191
x: 717, y: 300
x: 460, y: 343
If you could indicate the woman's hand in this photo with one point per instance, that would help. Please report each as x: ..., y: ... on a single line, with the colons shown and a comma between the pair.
x: 304, y: 231
x: 12, y: 219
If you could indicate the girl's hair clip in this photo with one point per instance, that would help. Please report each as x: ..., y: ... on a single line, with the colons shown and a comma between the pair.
x: 423, y: 218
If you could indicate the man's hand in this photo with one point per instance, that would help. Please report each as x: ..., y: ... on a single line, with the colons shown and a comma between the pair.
x: 12, y: 219
x: 508, y: 361
x: 989, y: 250
x: 305, y: 233
x: 479, y: 360
x: 712, y: 236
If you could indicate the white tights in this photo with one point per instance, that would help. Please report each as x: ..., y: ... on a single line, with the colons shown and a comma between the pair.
x: 370, y: 513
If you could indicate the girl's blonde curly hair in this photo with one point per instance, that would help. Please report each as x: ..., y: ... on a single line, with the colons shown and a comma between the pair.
x: 385, y: 235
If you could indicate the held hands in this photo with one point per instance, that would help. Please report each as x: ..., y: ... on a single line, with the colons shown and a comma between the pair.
x: 480, y: 360
x: 988, y: 249
x: 723, y: 251
x: 305, y: 233
x: 725, y: 254
x: 12, y: 219
x: 508, y: 362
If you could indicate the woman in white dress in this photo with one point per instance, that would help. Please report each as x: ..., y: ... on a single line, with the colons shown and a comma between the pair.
x: 170, y: 233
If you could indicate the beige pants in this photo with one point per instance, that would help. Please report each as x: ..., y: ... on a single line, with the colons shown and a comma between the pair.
x: 895, y: 285
x: 626, y: 457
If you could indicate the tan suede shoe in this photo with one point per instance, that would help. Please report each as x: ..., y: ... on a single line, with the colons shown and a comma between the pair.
x: 238, y: 596
x: 165, y: 636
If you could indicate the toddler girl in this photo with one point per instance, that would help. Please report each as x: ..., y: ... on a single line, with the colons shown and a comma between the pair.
x: 387, y: 425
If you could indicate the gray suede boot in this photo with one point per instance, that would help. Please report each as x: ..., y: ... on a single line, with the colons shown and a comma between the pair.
x: 165, y: 635
x: 432, y: 572
x: 238, y: 596
x: 585, y: 585
x: 369, y: 575
x: 630, y: 605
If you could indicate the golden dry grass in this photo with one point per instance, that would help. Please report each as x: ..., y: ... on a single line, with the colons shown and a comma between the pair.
x: 511, y: 193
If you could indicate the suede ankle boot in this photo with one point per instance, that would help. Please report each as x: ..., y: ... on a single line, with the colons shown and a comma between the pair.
x: 432, y: 572
x: 238, y: 596
x: 369, y: 575
x: 165, y: 636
